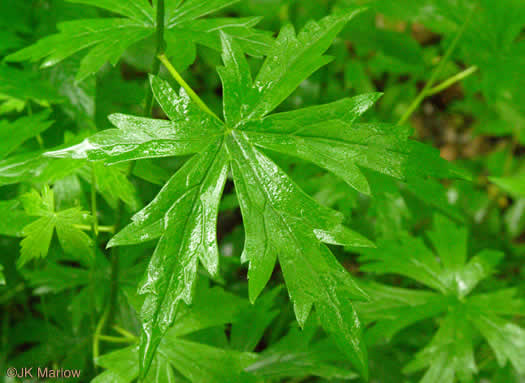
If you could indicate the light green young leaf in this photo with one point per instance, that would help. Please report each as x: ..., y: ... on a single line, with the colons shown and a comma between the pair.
x: 2, y: 276
x: 38, y: 234
x: 449, y: 241
x: 500, y: 302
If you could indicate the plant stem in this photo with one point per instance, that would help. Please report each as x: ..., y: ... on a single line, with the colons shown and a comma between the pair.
x: 96, y: 336
x: 116, y: 339
x: 94, y: 238
x: 160, y: 47
x: 113, y: 294
x: 94, y: 224
x: 124, y: 332
x: 452, y: 80
x: 109, y: 311
x: 38, y: 137
x: 435, y: 74
x: 187, y: 88
x: 101, y: 229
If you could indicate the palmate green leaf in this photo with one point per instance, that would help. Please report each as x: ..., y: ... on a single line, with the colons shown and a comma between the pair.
x: 194, y: 193
x: 38, y: 234
x: 281, y: 221
x: 393, y: 309
x: 13, y: 134
x: 410, y: 257
x: 108, y: 38
x: 270, y: 202
x: 450, y: 354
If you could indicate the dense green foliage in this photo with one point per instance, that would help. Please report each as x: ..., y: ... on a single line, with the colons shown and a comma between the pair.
x: 263, y: 191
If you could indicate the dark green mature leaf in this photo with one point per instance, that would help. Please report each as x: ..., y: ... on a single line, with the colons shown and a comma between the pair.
x: 38, y: 234
x: 189, y: 130
x: 281, y: 221
x: 196, y: 362
x: 108, y: 38
x: 194, y: 193
x: 87, y: 289
x: 273, y: 228
x: 138, y: 10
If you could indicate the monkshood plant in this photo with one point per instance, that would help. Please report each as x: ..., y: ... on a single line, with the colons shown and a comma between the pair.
x: 208, y: 232
x: 281, y: 221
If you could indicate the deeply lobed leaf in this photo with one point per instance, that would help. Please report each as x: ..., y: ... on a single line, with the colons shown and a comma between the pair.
x: 281, y: 221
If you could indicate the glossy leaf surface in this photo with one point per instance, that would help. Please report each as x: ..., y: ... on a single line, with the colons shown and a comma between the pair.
x: 281, y: 221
